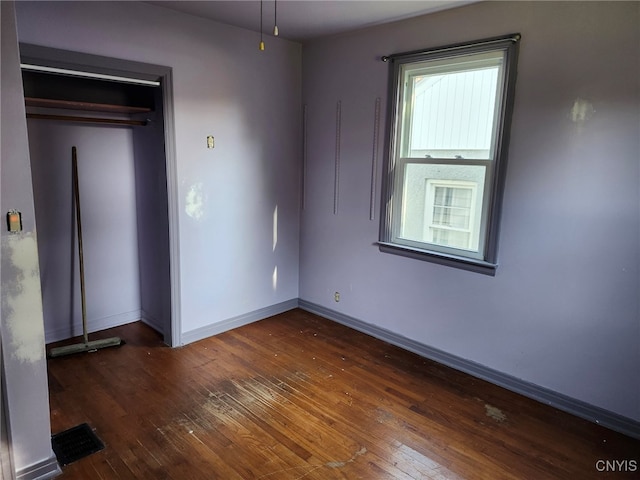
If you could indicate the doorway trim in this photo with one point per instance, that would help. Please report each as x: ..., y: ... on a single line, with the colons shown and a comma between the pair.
x: 52, y: 57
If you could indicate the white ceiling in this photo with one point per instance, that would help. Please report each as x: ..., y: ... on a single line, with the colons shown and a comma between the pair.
x: 304, y: 20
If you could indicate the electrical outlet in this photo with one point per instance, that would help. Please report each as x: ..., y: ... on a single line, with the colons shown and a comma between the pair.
x: 336, y: 296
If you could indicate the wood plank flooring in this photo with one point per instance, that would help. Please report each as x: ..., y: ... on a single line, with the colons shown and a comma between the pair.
x: 297, y: 396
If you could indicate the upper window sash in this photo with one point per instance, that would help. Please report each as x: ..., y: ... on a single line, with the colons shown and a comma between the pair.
x: 436, y: 59
x: 452, y: 128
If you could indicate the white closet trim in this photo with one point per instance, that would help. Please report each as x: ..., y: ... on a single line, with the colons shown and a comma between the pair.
x: 76, y: 73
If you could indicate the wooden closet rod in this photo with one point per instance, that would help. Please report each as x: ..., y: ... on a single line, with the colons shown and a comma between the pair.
x: 70, y: 118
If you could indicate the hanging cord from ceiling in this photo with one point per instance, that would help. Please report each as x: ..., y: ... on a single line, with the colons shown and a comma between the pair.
x: 261, y: 41
x: 275, y: 18
x: 275, y: 22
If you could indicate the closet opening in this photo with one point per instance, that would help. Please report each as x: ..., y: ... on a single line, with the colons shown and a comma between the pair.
x: 118, y: 114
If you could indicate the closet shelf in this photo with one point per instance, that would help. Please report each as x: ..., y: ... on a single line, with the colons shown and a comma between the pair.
x: 87, y: 106
x: 104, y: 121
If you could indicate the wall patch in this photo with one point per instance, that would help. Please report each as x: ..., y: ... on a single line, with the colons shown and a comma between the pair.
x: 22, y: 298
x: 581, y: 111
x: 194, y: 202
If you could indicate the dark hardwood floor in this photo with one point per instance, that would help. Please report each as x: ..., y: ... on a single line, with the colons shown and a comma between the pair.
x: 299, y: 397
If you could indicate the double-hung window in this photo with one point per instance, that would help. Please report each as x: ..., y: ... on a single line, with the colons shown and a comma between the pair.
x: 449, y: 128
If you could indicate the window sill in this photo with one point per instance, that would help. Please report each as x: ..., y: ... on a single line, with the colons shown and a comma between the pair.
x: 469, y: 264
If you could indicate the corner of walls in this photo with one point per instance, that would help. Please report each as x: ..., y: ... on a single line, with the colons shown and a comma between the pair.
x: 238, y: 321
x: 562, y: 311
x: 236, y: 207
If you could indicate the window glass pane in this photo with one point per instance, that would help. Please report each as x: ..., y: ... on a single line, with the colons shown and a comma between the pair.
x: 453, y: 197
x: 450, y: 238
x: 450, y: 107
x: 451, y: 217
x: 442, y: 205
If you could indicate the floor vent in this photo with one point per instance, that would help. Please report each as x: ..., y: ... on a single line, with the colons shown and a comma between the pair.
x: 75, y: 443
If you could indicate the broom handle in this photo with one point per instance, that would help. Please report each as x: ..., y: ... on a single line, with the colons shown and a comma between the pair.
x: 76, y: 194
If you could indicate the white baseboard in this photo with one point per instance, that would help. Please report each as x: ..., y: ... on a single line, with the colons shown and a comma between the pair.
x: 94, y: 325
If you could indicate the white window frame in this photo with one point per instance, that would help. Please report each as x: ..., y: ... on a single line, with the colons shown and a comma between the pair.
x: 484, y: 258
x: 429, y: 200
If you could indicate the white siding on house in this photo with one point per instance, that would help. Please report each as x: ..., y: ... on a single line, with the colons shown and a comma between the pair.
x: 453, y: 113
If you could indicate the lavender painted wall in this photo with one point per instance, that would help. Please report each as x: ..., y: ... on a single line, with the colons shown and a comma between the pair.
x: 250, y: 101
x: 24, y: 372
x: 109, y: 222
x: 563, y: 310
x: 153, y: 222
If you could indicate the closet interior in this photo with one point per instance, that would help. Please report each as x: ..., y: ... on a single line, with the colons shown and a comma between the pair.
x: 117, y: 127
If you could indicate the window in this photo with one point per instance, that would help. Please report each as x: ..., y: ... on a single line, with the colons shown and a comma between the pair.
x: 446, y: 159
x: 450, y: 210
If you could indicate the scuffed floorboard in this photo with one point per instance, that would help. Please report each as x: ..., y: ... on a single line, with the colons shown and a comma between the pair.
x: 300, y: 397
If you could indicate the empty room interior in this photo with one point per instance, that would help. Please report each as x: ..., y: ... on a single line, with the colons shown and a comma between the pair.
x: 321, y: 239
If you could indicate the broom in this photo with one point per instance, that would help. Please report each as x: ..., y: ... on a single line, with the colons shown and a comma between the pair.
x: 86, y: 346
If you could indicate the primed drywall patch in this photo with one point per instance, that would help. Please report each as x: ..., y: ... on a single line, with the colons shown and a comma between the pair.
x: 22, y: 298
x: 195, y: 201
x: 581, y: 111
x: 495, y: 413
